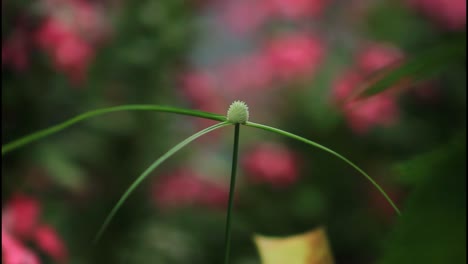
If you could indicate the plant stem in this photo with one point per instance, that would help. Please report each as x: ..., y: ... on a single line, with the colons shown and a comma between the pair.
x: 227, y: 235
x: 153, y: 166
x: 56, y: 128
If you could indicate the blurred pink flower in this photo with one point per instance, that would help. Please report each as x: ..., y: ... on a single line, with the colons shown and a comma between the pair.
x: 215, y: 196
x: 248, y: 73
x: 381, y: 109
x: 13, y: 252
x: 89, y: 21
x: 82, y: 17
x: 69, y: 35
x: 73, y: 57
x: 377, y: 56
x: 52, y: 33
x: 184, y: 188
x: 450, y: 14
x: 246, y: 16
x: 363, y: 114
x: 49, y: 242
x: 71, y: 54
x: 20, y: 220
x: 199, y: 87
x: 271, y: 163
x: 294, y: 55
x: 15, y: 51
x: 297, y: 9
x: 344, y: 86
x: 21, y: 215
x: 377, y: 110
x: 242, y: 16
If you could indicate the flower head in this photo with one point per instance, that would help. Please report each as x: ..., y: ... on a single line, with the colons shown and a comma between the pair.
x: 238, y: 112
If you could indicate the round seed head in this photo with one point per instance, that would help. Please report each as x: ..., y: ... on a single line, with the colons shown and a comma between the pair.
x: 238, y: 112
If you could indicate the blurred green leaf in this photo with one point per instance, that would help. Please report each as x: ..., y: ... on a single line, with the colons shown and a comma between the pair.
x: 433, y: 226
x: 392, y: 21
x: 62, y: 170
x: 154, y: 240
x: 417, y: 169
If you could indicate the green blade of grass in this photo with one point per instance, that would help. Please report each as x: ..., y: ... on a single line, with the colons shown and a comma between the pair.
x: 227, y: 236
x: 56, y: 128
x: 314, y: 144
x: 153, y: 166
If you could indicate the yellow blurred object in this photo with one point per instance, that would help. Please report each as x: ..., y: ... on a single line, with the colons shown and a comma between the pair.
x: 309, y: 248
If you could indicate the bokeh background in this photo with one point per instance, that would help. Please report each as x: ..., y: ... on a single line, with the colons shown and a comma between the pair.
x: 295, y: 63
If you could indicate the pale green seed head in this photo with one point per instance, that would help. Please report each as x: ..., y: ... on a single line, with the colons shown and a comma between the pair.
x: 238, y: 112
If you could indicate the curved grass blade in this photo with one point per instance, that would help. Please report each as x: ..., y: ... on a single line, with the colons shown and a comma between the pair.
x: 56, y: 128
x: 314, y: 144
x: 153, y: 166
x: 421, y: 66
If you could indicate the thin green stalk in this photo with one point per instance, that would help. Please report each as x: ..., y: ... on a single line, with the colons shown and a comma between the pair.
x: 56, y: 128
x: 227, y: 235
x: 287, y: 134
x: 153, y: 166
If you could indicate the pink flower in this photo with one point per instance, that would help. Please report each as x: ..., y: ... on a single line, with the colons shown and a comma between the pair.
x: 52, y: 33
x: 248, y: 73
x: 89, y: 22
x: 271, y: 163
x: 185, y: 188
x: 381, y: 109
x: 363, y: 114
x: 375, y: 57
x: 73, y: 56
x: 345, y: 85
x: 21, y: 215
x: 49, y: 242
x: 377, y: 110
x: 81, y: 17
x: 13, y: 252
x: 450, y: 14
x: 294, y: 55
x: 215, y: 196
x: 20, y: 220
x: 200, y: 90
x: 242, y: 16
x: 69, y: 34
x: 297, y: 9
x: 199, y: 87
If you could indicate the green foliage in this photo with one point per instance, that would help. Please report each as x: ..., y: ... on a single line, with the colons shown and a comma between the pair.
x: 433, y: 228
x: 417, y: 169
